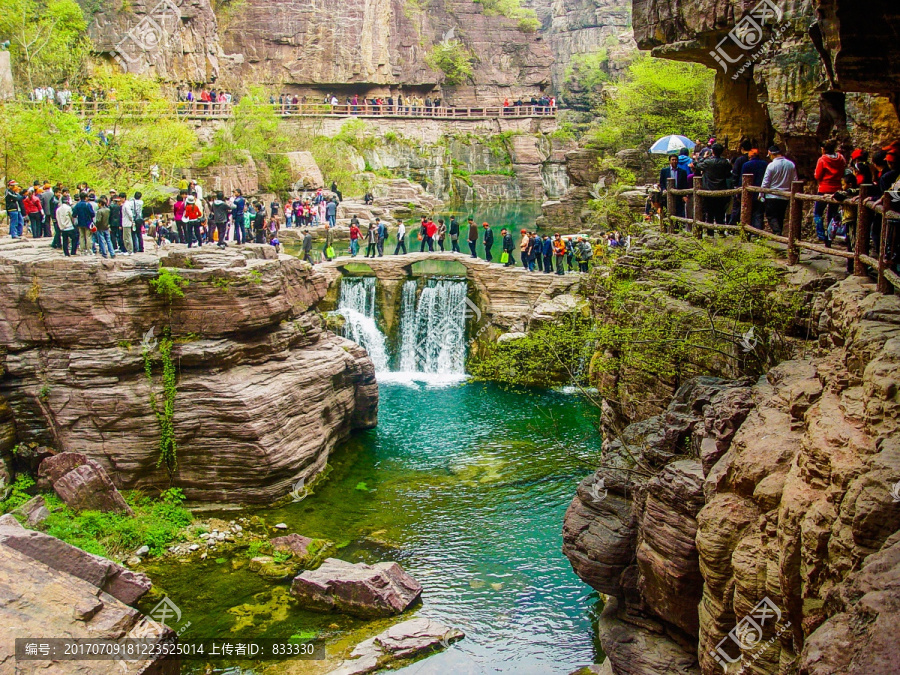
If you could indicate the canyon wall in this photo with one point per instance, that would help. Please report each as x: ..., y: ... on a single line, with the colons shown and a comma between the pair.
x: 264, y: 392
x: 794, y: 72
x: 753, y: 526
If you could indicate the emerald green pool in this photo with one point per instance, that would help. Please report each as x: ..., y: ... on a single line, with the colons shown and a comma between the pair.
x: 466, y: 487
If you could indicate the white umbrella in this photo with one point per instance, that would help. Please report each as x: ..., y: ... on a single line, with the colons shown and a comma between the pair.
x: 671, y: 144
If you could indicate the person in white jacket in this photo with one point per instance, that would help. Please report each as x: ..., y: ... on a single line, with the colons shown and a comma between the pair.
x: 66, y: 227
x: 401, y: 239
x: 132, y: 221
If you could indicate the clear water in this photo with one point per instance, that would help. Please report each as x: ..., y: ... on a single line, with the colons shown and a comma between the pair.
x: 466, y: 487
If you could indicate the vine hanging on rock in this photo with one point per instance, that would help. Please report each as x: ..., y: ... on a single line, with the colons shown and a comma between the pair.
x: 165, y: 414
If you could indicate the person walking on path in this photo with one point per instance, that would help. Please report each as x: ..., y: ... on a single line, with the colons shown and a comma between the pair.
x: 559, y: 251
x: 49, y: 202
x: 523, y: 248
x: 547, y: 251
x: 830, y: 169
x: 34, y: 211
x: 329, y: 243
x: 133, y: 221
x: 441, y: 233
x: 307, y: 246
x: 371, y: 241
x: 68, y: 236
x: 681, y: 183
x: 355, y: 235
x: 331, y: 211
x: 192, y: 215
x: 472, y: 236
x: 115, y: 222
x: 779, y: 175
x: 584, y: 254
x: 430, y: 233
x: 488, y: 241
x: 220, y: 213
x: 14, y: 210
x: 101, y: 222
x: 755, y: 166
x: 716, y: 172
x: 401, y: 239
x: 83, y: 215
x: 381, y: 229
x: 238, y: 204
x: 178, y: 215
x: 506, y: 246
x: 454, y: 234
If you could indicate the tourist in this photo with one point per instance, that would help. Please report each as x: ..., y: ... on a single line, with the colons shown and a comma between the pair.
x: 584, y: 254
x: 779, y: 175
x: 859, y: 164
x: 472, y: 237
x: 382, y: 236
x: 220, y: 212
x: 755, y: 166
x: 570, y: 254
x: 454, y: 235
x: 737, y: 170
x: 559, y: 252
x: 49, y: 202
x: 829, y: 171
x: 101, y: 222
x: 192, y: 215
x: 441, y: 233
x: 238, y: 205
x: 258, y: 223
x: 34, y: 212
x: 336, y: 191
x: 371, y: 241
x: 288, y: 214
x: 14, y: 210
x: 506, y: 248
x: 68, y: 236
x: 328, y: 246
x: 401, y: 239
x: 524, y: 248
x: 422, y: 234
x: 488, y: 241
x: 83, y: 215
x: 681, y: 183
x: 547, y: 252
x: 307, y: 246
x: 368, y: 199
x: 430, y: 233
x: 847, y: 229
x: 178, y: 215
x: 355, y: 235
x: 716, y: 172
x: 133, y: 222
x: 115, y: 221
x: 331, y: 211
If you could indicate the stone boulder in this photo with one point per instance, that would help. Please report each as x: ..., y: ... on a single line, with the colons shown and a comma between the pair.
x: 83, y: 484
x: 124, y: 585
x: 402, y: 641
x: 35, y: 511
x: 305, y: 173
x: 383, y: 589
x: 55, y: 596
x: 305, y: 552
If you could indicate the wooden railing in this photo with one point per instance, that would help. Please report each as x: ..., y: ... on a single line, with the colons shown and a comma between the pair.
x: 201, y: 110
x: 887, y: 278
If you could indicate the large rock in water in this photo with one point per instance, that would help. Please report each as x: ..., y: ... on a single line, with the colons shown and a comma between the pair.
x: 68, y: 594
x: 382, y: 589
x: 263, y: 391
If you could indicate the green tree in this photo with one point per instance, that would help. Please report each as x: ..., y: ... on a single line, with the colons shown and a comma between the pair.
x: 48, y: 40
x: 453, y: 59
x: 656, y: 97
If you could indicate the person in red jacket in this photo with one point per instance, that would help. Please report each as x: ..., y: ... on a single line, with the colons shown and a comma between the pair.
x: 430, y: 231
x: 34, y: 212
x: 355, y: 234
x: 829, y: 170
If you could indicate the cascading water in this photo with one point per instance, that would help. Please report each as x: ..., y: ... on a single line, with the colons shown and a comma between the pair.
x: 357, y: 305
x: 433, y: 334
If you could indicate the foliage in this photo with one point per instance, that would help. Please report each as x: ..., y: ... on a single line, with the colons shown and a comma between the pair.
x: 18, y: 494
x: 254, y: 130
x: 156, y: 523
x: 453, y: 59
x: 655, y: 98
x: 49, y: 44
x: 553, y: 353
x: 169, y: 284
x: 168, y: 446
x: 528, y: 21
x: 227, y: 11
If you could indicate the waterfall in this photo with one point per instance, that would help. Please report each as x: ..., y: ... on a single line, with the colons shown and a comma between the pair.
x: 357, y: 305
x: 433, y: 334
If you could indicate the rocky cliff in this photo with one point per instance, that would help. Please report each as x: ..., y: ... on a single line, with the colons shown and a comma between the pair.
x: 263, y: 392
x: 796, y: 72
x: 753, y: 526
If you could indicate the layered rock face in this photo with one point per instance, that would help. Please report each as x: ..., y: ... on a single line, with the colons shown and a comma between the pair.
x: 754, y: 526
x: 778, y: 78
x: 375, y: 47
x: 263, y: 392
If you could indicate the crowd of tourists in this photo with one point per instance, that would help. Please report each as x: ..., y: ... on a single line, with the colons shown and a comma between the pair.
x: 412, y: 105
x: 838, y: 176
x: 536, y: 253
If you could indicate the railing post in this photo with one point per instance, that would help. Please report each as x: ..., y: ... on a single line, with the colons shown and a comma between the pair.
x: 861, y: 245
x: 794, y: 222
x: 698, y: 207
x: 746, y: 201
x: 883, y: 284
x: 669, y: 225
